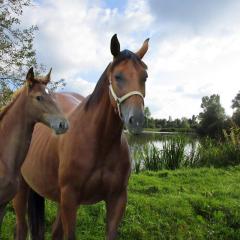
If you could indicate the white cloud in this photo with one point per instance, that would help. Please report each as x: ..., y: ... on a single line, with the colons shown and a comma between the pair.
x: 80, y: 85
x: 74, y: 38
x: 198, y: 65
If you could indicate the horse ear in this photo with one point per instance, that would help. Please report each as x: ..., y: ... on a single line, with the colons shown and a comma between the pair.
x: 30, y: 77
x: 115, y: 46
x: 48, y: 76
x: 142, y: 51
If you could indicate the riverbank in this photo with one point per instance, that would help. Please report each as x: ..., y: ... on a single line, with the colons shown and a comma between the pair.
x: 171, y: 130
x: 201, y: 203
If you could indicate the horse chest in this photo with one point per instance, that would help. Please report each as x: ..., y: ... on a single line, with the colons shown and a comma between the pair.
x: 100, y: 184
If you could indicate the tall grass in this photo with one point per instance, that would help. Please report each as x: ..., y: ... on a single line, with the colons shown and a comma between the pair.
x: 173, y: 153
x: 177, y: 152
x: 151, y: 156
x: 216, y: 154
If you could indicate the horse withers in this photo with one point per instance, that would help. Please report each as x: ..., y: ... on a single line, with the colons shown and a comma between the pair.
x: 91, y: 162
x: 32, y: 103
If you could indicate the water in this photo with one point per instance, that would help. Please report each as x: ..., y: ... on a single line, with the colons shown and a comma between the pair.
x: 137, y: 143
x: 157, y: 138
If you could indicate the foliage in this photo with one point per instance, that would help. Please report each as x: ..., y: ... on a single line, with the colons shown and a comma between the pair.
x: 236, y: 101
x: 178, y: 151
x: 216, y: 154
x: 233, y: 137
x: 16, y: 44
x: 213, y: 116
x: 198, y: 203
x: 236, y: 108
x: 236, y: 117
x: 16, y: 49
x: 150, y: 156
x: 173, y: 154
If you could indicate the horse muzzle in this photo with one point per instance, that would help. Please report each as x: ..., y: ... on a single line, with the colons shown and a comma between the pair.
x: 58, y: 124
x: 133, y: 118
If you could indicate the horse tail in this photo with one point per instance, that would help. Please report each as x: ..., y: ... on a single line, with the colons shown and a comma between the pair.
x: 36, y: 220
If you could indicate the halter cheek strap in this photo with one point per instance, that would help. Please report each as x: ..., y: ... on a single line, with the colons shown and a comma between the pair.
x: 120, y: 100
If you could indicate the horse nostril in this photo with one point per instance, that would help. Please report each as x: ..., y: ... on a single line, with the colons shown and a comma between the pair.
x: 62, y: 125
x: 131, y: 120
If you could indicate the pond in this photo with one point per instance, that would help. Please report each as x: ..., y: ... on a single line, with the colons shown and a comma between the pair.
x: 159, y: 150
x: 158, y: 138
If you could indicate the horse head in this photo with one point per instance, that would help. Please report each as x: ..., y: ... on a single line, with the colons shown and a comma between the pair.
x: 41, y: 104
x: 127, y: 76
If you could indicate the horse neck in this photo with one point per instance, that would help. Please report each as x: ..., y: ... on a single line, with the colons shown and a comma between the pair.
x: 107, y: 123
x: 15, y: 130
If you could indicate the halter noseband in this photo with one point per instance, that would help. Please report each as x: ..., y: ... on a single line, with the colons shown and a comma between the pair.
x: 120, y: 100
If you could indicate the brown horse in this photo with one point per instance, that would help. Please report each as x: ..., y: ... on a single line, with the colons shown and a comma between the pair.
x: 91, y: 162
x: 32, y: 103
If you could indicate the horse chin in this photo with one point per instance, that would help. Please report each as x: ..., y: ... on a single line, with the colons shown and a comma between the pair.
x: 134, y: 130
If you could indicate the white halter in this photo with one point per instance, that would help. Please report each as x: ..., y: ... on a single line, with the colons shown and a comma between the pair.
x: 120, y: 100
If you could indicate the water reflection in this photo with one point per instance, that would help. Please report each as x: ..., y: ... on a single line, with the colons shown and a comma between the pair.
x: 157, y: 138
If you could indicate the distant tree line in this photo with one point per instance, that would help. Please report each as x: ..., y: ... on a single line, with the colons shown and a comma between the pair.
x: 210, y: 121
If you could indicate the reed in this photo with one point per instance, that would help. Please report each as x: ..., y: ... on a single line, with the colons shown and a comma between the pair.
x: 151, y: 157
x: 173, y: 152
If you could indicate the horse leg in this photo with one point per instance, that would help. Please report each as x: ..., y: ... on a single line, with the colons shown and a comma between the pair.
x: 8, y: 188
x: 68, y: 211
x: 115, y: 209
x: 20, y: 208
x: 2, y: 213
x: 57, y: 230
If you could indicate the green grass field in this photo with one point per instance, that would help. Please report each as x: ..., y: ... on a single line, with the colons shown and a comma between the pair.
x: 184, y: 204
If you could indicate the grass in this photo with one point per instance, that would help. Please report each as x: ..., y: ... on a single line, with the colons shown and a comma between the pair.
x: 217, y: 154
x: 201, y: 203
x: 177, y: 152
x: 173, y: 154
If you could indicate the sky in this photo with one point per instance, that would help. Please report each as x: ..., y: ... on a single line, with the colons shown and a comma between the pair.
x: 194, y: 47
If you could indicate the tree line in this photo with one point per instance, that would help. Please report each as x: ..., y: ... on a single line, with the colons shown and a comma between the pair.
x: 209, y: 122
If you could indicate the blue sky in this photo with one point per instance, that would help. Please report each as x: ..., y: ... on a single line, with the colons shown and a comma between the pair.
x: 194, y: 46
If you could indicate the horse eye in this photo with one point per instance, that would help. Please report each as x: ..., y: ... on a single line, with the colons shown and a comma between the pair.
x: 118, y: 77
x: 39, y: 98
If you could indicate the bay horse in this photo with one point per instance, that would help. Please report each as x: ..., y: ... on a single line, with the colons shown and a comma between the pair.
x: 32, y: 103
x: 91, y: 162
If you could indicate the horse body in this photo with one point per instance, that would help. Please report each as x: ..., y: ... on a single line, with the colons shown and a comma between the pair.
x: 31, y: 104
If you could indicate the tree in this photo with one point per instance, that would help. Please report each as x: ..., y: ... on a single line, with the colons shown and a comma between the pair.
x: 16, y: 45
x: 236, y: 101
x: 16, y: 48
x: 147, y: 115
x: 185, y: 123
x: 213, y: 116
x: 236, y: 108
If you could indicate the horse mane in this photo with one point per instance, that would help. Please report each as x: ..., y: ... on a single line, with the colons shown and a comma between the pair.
x: 97, y: 92
x: 14, y: 98
x: 101, y: 84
